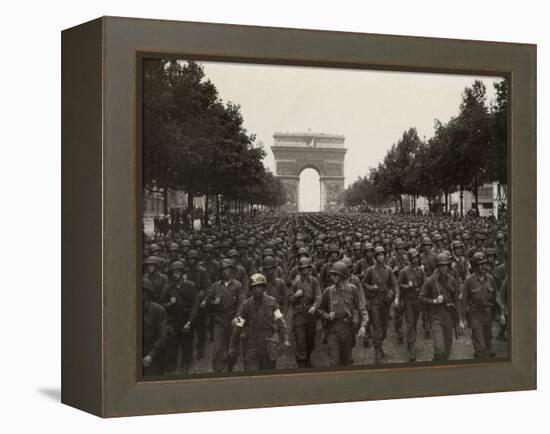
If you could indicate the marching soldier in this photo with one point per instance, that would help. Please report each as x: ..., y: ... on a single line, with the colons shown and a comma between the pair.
x: 381, y: 288
x: 158, y: 279
x: 180, y: 300
x: 305, y: 295
x: 397, y: 263
x: 265, y: 327
x: 480, y: 296
x: 154, y: 332
x: 440, y: 293
x: 343, y: 313
x: 410, y: 280
x: 223, y: 301
x: 275, y: 287
x: 427, y: 258
x: 198, y: 275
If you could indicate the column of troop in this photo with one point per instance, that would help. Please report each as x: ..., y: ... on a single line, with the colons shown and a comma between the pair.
x: 242, y: 296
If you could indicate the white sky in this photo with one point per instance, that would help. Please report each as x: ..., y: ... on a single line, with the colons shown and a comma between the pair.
x: 370, y: 108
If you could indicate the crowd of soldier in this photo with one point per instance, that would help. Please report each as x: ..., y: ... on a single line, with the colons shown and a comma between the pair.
x: 254, y: 288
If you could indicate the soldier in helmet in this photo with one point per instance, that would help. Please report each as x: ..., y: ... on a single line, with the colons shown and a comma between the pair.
x: 180, y: 300
x: 427, y: 259
x: 158, y: 279
x: 410, y: 280
x: 275, y: 287
x: 480, y: 296
x: 198, y: 275
x: 239, y: 272
x: 223, y: 300
x: 324, y: 275
x: 440, y: 293
x: 265, y: 327
x: 305, y: 295
x: 300, y: 253
x: 279, y: 273
x: 397, y: 262
x: 154, y: 332
x: 501, y: 249
x: 381, y: 289
x: 367, y: 261
x: 343, y: 313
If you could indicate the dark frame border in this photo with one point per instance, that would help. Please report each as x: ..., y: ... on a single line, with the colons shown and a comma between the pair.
x: 121, y: 40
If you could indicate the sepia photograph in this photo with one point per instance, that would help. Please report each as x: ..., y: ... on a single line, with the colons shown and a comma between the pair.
x: 302, y: 219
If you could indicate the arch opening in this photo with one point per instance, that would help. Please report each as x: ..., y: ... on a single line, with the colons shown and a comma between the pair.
x: 310, y: 191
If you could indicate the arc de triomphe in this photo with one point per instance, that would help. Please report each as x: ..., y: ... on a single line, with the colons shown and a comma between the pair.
x: 325, y: 153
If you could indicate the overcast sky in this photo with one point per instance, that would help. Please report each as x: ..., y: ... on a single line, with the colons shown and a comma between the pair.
x: 370, y: 108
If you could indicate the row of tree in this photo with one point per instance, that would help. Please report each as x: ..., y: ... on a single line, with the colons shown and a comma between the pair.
x: 465, y: 152
x: 195, y: 142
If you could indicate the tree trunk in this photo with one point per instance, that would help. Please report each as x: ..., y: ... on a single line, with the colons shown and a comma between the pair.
x: 446, y: 202
x: 476, y: 197
x: 189, y: 202
x: 217, y: 209
x: 205, y: 211
x: 401, y: 204
x: 461, y: 202
x: 165, y: 200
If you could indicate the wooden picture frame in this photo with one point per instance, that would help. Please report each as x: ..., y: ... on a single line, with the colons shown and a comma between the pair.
x: 101, y: 220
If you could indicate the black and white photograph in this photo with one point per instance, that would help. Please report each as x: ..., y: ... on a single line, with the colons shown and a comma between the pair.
x: 299, y: 218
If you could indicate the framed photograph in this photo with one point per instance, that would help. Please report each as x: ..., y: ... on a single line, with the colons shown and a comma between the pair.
x: 259, y: 216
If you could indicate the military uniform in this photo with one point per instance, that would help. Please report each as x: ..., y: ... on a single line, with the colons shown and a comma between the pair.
x: 154, y: 337
x: 199, y: 277
x: 410, y: 280
x: 223, y: 301
x: 480, y: 296
x: 181, y: 303
x: 442, y: 315
x: 379, y: 298
x: 304, y: 323
x: 264, y: 325
x: 345, y: 304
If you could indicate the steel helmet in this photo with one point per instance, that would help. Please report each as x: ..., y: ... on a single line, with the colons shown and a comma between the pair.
x: 412, y: 253
x: 340, y: 269
x: 269, y: 262
x: 478, y: 258
x: 490, y: 251
x: 302, y: 251
x: 176, y: 265
x: 334, y: 249
x: 457, y: 245
x: 226, y: 263
x: 232, y: 253
x: 442, y: 259
x: 368, y: 246
x: 347, y: 261
x: 152, y: 260
x: 192, y: 254
x: 209, y: 247
x: 257, y: 279
x: 185, y: 243
x: 173, y: 247
x: 379, y: 250
x: 268, y: 252
x: 304, y: 263
x: 400, y: 244
x: 426, y: 241
x: 356, y: 246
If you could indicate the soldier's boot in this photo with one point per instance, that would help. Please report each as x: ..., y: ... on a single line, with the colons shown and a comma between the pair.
x: 412, y: 352
x: 377, y: 355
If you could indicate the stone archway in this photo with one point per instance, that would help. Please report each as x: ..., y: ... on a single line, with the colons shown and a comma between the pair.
x: 325, y: 153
